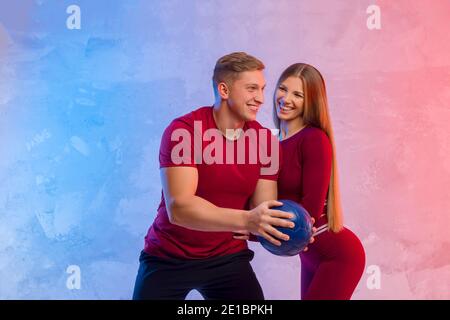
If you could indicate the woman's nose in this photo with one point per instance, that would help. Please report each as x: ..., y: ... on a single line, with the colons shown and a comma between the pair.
x: 282, y: 101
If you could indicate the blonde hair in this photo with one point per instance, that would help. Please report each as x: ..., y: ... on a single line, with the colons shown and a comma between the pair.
x: 228, y: 67
x: 316, y: 114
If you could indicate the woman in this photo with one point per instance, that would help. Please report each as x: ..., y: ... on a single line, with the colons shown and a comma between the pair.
x: 334, y: 263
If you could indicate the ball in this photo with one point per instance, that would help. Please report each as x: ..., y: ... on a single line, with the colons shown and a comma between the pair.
x: 299, y: 236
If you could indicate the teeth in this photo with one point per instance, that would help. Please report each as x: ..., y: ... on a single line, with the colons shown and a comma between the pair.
x: 284, y: 108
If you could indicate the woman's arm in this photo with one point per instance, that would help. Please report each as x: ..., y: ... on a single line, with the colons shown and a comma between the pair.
x: 316, y: 157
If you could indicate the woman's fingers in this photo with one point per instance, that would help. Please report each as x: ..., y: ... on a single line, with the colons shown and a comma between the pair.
x: 238, y: 237
x: 241, y: 235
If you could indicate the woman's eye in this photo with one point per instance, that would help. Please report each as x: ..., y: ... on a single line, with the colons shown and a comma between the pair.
x: 282, y: 88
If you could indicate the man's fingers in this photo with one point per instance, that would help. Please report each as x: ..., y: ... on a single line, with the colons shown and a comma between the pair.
x: 274, y: 203
x: 280, y: 214
x: 281, y: 223
x: 278, y: 234
x: 270, y: 238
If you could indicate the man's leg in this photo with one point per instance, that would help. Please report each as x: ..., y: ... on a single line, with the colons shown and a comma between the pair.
x: 231, y: 278
x: 158, y: 280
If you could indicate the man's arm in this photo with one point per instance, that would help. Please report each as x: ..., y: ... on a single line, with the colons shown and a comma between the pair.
x: 265, y: 190
x: 193, y: 212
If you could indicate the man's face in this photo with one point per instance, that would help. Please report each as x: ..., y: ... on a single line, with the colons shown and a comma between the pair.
x: 246, y: 94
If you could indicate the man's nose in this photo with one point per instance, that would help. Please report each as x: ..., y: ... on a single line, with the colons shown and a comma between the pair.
x: 260, y: 97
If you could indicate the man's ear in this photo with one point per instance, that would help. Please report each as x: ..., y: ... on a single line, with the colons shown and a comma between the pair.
x: 223, y: 90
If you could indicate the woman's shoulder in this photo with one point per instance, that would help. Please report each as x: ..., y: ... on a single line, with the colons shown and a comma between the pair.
x: 315, y: 135
x: 314, y: 132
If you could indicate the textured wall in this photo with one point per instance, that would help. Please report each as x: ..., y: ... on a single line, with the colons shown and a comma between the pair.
x: 82, y: 112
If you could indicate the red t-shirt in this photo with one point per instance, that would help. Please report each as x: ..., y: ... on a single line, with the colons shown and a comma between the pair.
x: 229, y: 184
x: 305, y: 177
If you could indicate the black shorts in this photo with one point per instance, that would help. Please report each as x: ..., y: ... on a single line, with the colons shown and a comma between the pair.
x: 229, y: 277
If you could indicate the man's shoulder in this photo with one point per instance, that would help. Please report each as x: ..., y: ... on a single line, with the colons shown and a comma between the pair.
x: 188, y: 119
x: 257, y: 126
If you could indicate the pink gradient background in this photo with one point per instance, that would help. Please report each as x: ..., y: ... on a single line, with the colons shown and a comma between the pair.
x: 389, y: 93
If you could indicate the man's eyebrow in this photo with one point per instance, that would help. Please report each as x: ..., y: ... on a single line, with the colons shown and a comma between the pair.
x: 254, y: 84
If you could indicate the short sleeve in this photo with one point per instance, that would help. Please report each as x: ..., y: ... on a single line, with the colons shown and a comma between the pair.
x: 270, y: 155
x: 177, y: 145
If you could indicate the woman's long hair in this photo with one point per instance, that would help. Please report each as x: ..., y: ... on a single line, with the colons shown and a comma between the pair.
x: 316, y: 114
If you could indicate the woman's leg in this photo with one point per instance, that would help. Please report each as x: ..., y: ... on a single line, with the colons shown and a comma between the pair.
x: 308, y: 269
x: 342, y: 261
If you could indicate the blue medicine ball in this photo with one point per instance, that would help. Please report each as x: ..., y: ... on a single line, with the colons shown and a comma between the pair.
x: 298, y: 236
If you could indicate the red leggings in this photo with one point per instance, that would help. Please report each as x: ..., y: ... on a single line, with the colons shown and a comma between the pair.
x: 332, y: 266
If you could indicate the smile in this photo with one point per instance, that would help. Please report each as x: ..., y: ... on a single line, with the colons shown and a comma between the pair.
x: 253, y: 107
x: 284, y: 108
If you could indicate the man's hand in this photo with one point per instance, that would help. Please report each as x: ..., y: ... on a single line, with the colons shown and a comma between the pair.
x: 245, y: 235
x: 262, y: 220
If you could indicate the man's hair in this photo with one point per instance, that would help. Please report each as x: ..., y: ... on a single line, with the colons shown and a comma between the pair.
x: 228, y: 67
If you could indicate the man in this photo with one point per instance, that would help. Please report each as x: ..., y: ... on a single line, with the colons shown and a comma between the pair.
x: 210, y: 177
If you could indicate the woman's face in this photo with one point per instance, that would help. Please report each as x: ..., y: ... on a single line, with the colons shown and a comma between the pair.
x: 289, y: 99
